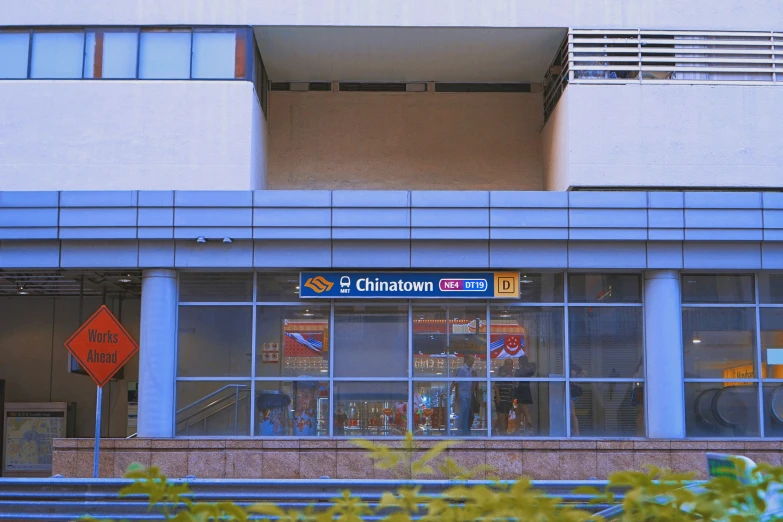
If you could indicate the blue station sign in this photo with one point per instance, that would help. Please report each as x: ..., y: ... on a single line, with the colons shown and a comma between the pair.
x: 409, y: 285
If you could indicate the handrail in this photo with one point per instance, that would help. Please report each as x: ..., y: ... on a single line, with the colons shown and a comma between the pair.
x: 205, y: 397
x: 238, y: 397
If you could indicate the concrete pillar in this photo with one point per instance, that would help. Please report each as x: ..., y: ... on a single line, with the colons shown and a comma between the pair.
x: 664, y: 388
x: 157, y: 353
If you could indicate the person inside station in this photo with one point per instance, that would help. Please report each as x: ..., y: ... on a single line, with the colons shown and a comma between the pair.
x: 463, y: 392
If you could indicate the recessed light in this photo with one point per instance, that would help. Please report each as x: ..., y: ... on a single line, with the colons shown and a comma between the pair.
x: 125, y: 278
x: 525, y: 280
x: 22, y: 291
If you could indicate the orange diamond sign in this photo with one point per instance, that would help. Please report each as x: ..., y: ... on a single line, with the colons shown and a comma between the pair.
x: 102, y: 346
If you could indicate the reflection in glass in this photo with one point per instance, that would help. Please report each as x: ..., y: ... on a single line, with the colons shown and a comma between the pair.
x: 164, y: 55
x: 535, y: 409
x: 721, y: 409
x: 214, y: 54
x: 371, y: 341
x: 214, y: 341
x: 57, y: 55
x: 722, y: 288
x: 771, y: 342
x: 458, y: 408
x: 719, y: 342
x: 604, y: 288
x: 607, y: 409
x: 213, y: 408
x: 215, y: 287
x: 442, y: 335
x: 541, y: 288
x: 773, y: 409
x: 278, y: 287
x: 370, y: 409
x: 14, y: 47
x: 533, y: 332
x: 111, y: 54
x: 771, y: 288
x: 292, y: 408
x: 292, y: 341
x: 607, y: 341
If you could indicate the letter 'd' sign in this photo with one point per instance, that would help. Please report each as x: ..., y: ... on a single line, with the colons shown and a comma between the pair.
x: 102, y: 346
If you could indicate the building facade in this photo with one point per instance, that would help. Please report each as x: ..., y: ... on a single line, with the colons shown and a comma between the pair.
x: 553, y: 231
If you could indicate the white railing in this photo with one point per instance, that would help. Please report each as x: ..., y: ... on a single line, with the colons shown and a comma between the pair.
x: 663, y: 57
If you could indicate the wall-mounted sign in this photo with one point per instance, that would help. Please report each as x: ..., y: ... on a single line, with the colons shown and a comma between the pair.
x: 409, y: 285
x: 29, y: 431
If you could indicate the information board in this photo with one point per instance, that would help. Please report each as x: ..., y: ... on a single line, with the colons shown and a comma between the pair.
x: 29, y: 431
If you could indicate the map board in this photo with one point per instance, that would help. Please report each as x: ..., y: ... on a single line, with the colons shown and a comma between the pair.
x: 29, y: 431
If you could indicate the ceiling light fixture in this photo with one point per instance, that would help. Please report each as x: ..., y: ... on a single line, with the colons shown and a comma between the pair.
x: 696, y: 339
x: 201, y: 239
x: 525, y: 280
x: 227, y: 240
x: 22, y: 291
x: 125, y: 278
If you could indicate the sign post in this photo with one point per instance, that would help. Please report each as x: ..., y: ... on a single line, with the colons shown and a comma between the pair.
x: 101, y: 346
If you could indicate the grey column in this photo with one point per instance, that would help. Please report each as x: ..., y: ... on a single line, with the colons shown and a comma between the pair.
x: 157, y: 353
x: 664, y: 388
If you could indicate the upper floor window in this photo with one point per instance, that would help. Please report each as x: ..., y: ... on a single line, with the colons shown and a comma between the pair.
x: 57, y: 54
x: 14, y: 49
x: 111, y: 54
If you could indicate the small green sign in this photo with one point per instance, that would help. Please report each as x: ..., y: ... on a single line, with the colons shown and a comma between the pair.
x: 730, y: 466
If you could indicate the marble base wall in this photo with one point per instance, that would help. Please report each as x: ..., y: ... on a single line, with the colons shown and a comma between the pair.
x: 308, y: 459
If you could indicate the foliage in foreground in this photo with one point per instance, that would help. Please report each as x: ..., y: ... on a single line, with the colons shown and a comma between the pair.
x: 655, y: 495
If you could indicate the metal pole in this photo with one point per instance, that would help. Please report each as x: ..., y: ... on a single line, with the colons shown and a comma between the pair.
x: 96, y: 452
x: 236, y: 409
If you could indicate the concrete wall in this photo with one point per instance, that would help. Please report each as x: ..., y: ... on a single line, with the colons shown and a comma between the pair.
x: 411, y: 141
x: 659, y: 14
x: 668, y: 135
x: 118, y: 135
x: 34, y: 362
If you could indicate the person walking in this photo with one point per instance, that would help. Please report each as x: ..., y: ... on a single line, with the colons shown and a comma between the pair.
x: 464, y: 395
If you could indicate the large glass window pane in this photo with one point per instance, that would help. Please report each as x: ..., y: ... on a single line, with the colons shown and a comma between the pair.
x: 722, y: 288
x: 607, y: 409
x: 292, y: 408
x: 370, y: 409
x: 110, y: 54
x: 773, y: 410
x: 214, y: 341
x: 771, y: 288
x: 215, y: 287
x: 213, y: 408
x: 278, y: 287
x: 718, y: 342
x: 292, y: 341
x: 14, y: 48
x: 771, y: 342
x: 443, y: 335
x: 164, y: 55
x: 371, y: 341
x: 540, y: 288
x: 214, y: 54
x: 604, y: 288
x: 607, y: 341
x: 456, y: 408
x: 534, y: 333
x: 525, y: 408
x: 718, y: 409
x: 57, y: 55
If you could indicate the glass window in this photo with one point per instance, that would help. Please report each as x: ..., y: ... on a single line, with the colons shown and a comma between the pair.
x: 292, y: 408
x: 215, y: 287
x: 725, y: 288
x: 771, y: 288
x: 773, y: 409
x: 110, y: 54
x: 278, y: 287
x: 771, y: 342
x: 718, y: 342
x: 292, y: 341
x: 14, y: 48
x: 443, y: 334
x: 371, y: 341
x: 214, y: 341
x: 57, y: 54
x: 540, y: 288
x: 607, y: 341
x: 534, y: 333
x: 215, y: 54
x: 525, y: 408
x: 456, y: 408
x: 607, y: 409
x: 370, y: 409
x: 165, y: 55
x: 604, y: 288
x: 213, y: 408
x: 723, y: 410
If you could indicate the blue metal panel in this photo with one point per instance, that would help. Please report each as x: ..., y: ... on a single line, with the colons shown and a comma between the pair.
x: 528, y: 199
x: 528, y: 233
x: 371, y: 217
x: 450, y: 217
x: 450, y: 233
x: 29, y: 254
x: 371, y: 233
x: 28, y: 233
x: 156, y: 198
x: 292, y: 198
x: 450, y: 254
x: 292, y: 233
x: 213, y: 198
x: 156, y: 254
x: 607, y: 254
x: 293, y: 254
x: 528, y: 217
x: 213, y: 217
x: 215, y: 254
x: 773, y: 219
x: 665, y: 234
x: 773, y: 200
x: 665, y: 218
x: 28, y: 217
x: 608, y: 234
x: 720, y: 255
x: 664, y: 254
x: 449, y: 198
x: 722, y: 200
x: 99, y: 254
x: 371, y: 254
x: 155, y: 233
x: 370, y: 198
x: 292, y: 217
x: 722, y: 218
x: 607, y: 218
x: 113, y: 198
x: 156, y: 217
x: 528, y: 254
x: 665, y: 199
x: 607, y: 199
x: 98, y: 217
x: 98, y: 233
x: 213, y: 233
x: 772, y: 256
x: 29, y: 199
x: 724, y: 234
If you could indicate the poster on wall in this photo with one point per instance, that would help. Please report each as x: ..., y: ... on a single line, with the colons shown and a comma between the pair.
x: 30, y: 429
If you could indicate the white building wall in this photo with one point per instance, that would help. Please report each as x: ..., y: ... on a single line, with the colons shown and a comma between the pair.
x: 127, y: 135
